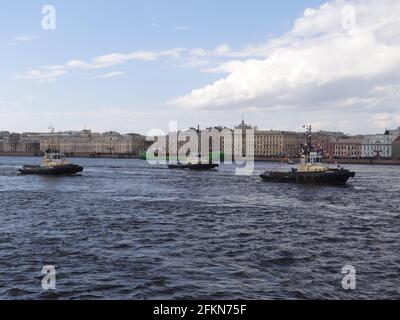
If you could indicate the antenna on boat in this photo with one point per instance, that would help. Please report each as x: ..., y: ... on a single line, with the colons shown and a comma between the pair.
x: 52, y: 139
x: 51, y: 128
x: 309, y: 147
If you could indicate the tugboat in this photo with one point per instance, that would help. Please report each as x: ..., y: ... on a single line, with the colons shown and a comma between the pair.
x: 53, y: 163
x: 195, y: 164
x: 311, y: 170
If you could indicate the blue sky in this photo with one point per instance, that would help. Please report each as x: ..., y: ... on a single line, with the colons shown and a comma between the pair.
x: 134, y: 93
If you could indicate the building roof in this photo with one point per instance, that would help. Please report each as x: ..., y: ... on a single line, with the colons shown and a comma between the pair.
x: 273, y: 132
x: 243, y: 126
x: 397, y: 141
x: 349, y: 141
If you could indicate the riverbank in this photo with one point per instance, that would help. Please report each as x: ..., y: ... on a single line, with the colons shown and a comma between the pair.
x: 129, y: 156
x: 341, y: 161
x: 75, y: 155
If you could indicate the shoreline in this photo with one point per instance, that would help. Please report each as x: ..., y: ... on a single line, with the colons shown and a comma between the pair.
x: 392, y: 162
x: 389, y: 162
x: 78, y: 156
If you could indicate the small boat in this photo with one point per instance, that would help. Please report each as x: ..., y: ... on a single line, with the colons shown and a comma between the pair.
x: 326, y: 176
x: 194, y: 163
x: 311, y: 170
x: 54, y: 163
x: 194, y: 166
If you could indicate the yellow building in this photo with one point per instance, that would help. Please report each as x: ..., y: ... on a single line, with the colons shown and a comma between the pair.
x: 348, y: 148
x: 276, y: 144
x: 16, y: 143
x: 86, y: 142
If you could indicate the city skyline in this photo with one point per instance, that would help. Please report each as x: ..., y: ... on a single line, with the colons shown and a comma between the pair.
x: 129, y: 66
x: 265, y: 143
x: 299, y: 129
x: 182, y: 155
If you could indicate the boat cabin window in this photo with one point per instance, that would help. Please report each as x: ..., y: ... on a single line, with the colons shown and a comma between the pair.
x: 56, y: 157
x: 314, y: 158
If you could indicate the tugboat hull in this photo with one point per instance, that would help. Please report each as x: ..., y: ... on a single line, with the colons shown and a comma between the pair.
x: 331, y: 177
x: 70, y: 169
x: 194, y: 167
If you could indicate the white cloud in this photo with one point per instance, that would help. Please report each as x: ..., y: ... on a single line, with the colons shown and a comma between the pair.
x: 26, y: 38
x: 43, y: 74
x: 50, y: 73
x: 78, y: 64
x: 222, y: 50
x: 225, y: 67
x: 250, y: 51
x: 113, y: 59
x: 198, y: 52
x: 327, y: 60
x: 111, y: 75
x: 181, y: 28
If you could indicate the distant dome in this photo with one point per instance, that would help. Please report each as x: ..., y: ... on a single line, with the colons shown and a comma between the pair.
x: 243, y: 126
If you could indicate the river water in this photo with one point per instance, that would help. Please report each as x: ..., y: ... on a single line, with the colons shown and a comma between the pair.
x: 128, y: 230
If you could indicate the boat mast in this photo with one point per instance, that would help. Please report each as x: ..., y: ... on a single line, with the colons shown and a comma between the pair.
x: 198, y: 136
x: 177, y: 147
x: 54, y: 144
x: 51, y: 147
x: 309, y: 138
x: 308, y: 147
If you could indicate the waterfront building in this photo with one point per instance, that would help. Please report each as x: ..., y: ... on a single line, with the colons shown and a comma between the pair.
x: 326, y: 141
x: 327, y: 147
x: 227, y: 142
x: 239, y: 135
x: 377, y: 146
x: 166, y: 145
x: 276, y: 144
x: 396, y: 149
x: 4, y: 134
x: 266, y: 144
x: 70, y: 142
x: 87, y: 143
x: 328, y: 135
x: 350, y: 148
x: 115, y: 143
x: 395, y: 132
x: 19, y: 144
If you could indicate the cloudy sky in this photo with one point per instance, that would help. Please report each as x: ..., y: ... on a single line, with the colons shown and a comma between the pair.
x: 133, y: 66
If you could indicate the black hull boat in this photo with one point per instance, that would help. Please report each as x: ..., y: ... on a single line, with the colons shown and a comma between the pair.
x: 54, y: 162
x: 310, y: 170
x: 68, y: 169
x: 194, y: 167
x: 194, y: 160
x: 330, y: 177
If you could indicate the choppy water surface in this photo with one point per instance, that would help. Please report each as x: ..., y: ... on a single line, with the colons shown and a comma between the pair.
x: 126, y: 230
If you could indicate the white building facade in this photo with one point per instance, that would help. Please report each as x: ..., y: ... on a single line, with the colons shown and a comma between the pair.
x: 379, y: 145
x: 86, y: 142
x: 395, y: 133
